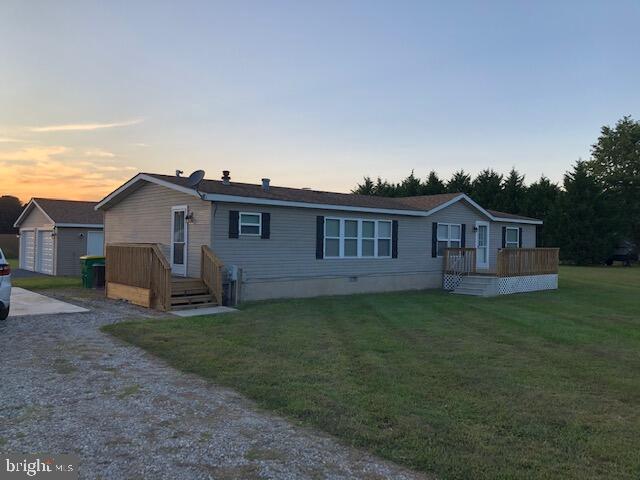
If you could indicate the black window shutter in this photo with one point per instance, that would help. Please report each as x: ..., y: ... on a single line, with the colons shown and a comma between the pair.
x: 504, y: 237
x: 463, y: 236
x: 394, y: 240
x: 434, y: 239
x: 266, y: 225
x: 319, y: 237
x: 520, y: 237
x: 234, y: 221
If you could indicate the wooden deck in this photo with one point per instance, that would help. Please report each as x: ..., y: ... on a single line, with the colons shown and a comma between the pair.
x: 139, y: 273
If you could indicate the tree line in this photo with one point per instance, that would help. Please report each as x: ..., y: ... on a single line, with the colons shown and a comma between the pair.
x: 593, y: 210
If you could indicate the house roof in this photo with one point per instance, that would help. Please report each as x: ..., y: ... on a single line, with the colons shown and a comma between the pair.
x: 64, y: 212
x: 307, y: 195
x: 511, y: 216
x: 216, y: 190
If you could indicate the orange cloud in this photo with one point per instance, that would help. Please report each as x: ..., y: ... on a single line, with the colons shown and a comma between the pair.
x: 52, y: 171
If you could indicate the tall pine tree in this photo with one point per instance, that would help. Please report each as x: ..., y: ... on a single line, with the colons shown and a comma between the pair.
x: 581, y: 223
x: 487, y: 188
x: 460, y: 182
x: 433, y: 185
x: 513, y: 193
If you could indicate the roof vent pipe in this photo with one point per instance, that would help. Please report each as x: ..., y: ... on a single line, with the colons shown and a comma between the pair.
x: 265, y: 184
x: 226, y: 179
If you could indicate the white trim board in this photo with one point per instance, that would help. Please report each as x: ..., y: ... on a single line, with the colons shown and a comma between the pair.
x: 27, y: 210
x: 218, y: 197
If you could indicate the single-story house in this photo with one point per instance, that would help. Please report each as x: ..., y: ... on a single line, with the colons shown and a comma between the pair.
x: 290, y: 242
x: 54, y: 234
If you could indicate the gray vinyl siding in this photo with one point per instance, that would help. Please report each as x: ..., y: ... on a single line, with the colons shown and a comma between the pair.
x: 290, y: 252
x: 144, y: 216
x: 69, y: 248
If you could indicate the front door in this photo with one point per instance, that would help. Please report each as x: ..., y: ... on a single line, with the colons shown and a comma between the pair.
x: 482, y: 245
x: 179, y: 241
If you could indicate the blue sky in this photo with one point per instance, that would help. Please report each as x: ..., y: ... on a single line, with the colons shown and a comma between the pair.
x: 309, y: 94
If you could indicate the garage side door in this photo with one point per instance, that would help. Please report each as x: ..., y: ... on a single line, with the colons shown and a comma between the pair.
x: 44, y: 252
x: 27, y: 249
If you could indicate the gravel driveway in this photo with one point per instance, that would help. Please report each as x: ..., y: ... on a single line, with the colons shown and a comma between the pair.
x: 65, y: 387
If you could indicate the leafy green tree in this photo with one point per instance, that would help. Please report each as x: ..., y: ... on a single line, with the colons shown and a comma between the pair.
x: 513, y: 193
x: 433, y: 185
x: 460, y: 182
x: 486, y: 188
x: 615, y: 163
x: 581, y: 223
x: 10, y: 209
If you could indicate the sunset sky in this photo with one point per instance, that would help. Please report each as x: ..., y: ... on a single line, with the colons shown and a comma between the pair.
x: 308, y: 94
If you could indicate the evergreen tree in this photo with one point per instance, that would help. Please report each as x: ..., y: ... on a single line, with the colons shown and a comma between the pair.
x: 513, y: 193
x: 409, y: 187
x: 384, y: 188
x: 486, y: 188
x: 615, y: 163
x: 433, y: 185
x: 367, y: 187
x: 580, y: 222
x: 460, y: 182
x: 539, y: 202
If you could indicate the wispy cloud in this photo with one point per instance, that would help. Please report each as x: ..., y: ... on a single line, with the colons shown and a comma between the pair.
x: 82, y: 127
x: 99, y: 153
x: 56, y: 171
x: 11, y: 140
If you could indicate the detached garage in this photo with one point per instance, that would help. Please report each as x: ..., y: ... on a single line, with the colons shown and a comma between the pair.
x: 54, y: 234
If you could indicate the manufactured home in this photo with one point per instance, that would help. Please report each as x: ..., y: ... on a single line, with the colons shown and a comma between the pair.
x: 271, y: 242
x: 54, y: 234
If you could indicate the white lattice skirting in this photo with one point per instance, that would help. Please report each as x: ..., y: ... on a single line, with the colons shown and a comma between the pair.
x: 508, y: 285
x: 450, y: 281
x: 528, y: 283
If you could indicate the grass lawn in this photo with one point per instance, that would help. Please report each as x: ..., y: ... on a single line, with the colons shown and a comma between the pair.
x: 42, y: 282
x: 540, y: 385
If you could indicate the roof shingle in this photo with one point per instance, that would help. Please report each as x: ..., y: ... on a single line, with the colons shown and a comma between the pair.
x: 70, y: 211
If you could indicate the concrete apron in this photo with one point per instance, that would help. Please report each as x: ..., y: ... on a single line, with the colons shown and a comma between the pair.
x: 26, y: 302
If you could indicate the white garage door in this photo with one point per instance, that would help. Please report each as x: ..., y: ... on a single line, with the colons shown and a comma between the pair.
x: 44, y: 252
x: 27, y: 249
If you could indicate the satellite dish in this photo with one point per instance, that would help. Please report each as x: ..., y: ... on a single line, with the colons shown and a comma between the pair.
x: 195, y: 179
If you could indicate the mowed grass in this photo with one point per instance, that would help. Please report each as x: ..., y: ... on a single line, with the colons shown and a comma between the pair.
x: 42, y: 282
x: 540, y: 385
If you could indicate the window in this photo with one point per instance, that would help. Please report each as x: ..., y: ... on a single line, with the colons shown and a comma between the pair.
x: 512, y: 237
x: 355, y: 238
x: 384, y: 239
x: 250, y: 223
x: 449, y: 235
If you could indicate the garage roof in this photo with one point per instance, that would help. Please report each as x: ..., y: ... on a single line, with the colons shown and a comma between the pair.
x: 65, y: 213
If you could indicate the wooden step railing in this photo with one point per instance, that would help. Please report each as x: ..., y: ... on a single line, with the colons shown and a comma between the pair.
x: 459, y: 261
x: 211, y: 272
x: 514, y: 262
x: 139, y: 273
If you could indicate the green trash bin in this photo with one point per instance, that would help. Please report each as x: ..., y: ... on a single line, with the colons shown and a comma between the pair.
x: 87, y: 262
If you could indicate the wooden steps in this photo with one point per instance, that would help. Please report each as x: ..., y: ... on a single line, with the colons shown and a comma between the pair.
x: 188, y: 293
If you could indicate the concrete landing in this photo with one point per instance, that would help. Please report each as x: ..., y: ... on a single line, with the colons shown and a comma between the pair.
x: 26, y: 302
x: 194, y: 312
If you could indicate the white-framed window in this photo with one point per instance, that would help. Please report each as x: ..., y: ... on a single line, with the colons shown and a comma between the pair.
x: 449, y: 236
x: 250, y: 223
x: 384, y: 239
x: 357, y: 238
x: 512, y: 237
